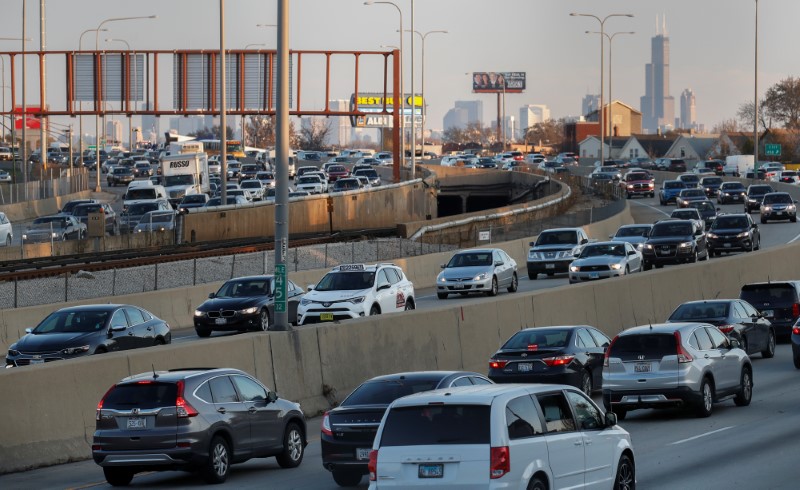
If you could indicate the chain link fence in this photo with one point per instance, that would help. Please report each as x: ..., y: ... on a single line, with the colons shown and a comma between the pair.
x: 53, y: 184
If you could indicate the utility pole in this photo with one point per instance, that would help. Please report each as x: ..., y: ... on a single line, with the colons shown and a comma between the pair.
x: 281, y: 321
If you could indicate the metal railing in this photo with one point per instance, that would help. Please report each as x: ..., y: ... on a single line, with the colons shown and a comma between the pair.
x: 56, y: 182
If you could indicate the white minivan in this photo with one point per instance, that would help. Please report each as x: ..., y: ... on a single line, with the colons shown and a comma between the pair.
x: 532, y: 436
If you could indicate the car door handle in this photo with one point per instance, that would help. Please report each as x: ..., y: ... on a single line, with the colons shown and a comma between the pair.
x: 707, y: 356
x: 588, y: 442
x: 221, y: 410
x: 578, y: 443
x: 252, y: 410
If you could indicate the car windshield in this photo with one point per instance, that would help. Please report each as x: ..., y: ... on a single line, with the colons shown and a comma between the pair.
x: 671, y: 229
x: 689, y: 178
x: 693, y: 193
x: 703, y: 206
x: 760, y: 189
x: 141, y: 208
x: 772, y: 294
x: 85, y: 209
x: 157, y: 217
x: 732, y: 186
x: 674, y: 185
x: 602, y: 249
x: 347, y: 184
x: 470, y: 259
x: 684, y: 214
x: 72, y: 321
x: 247, y: 184
x: 633, y: 231
x: 308, y: 179
x: 538, y: 339
x: 366, y: 173
x: 68, y: 207
x: 643, y: 346
x: 777, y: 199
x: 146, y: 396
x: 557, y: 238
x: 194, y: 198
x: 384, y: 392
x: 700, y: 311
x: 56, y: 221
x: 712, y: 181
x: 173, y: 180
x: 265, y: 176
x: 245, y: 288
x: 638, y: 176
x: 346, y: 281
x: 336, y: 168
x: 145, y: 193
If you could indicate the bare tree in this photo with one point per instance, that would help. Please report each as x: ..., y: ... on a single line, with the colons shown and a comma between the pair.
x: 261, y: 132
x: 744, y: 116
x: 782, y: 102
x: 314, y: 132
x: 549, y: 132
x: 729, y: 125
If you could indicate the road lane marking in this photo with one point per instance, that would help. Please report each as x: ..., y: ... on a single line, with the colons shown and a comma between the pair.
x: 651, y: 207
x: 701, y: 435
x: 794, y: 239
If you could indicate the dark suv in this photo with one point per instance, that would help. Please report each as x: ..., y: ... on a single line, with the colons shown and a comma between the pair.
x: 755, y: 194
x: 777, y: 301
x: 349, y: 429
x: 731, y: 232
x: 194, y: 419
x: 674, y: 242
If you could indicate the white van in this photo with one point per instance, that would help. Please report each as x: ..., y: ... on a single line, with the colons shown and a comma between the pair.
x: 143, y: 190
x: 500, y: 436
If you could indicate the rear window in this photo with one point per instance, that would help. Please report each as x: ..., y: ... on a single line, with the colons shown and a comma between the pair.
x: 386, y: 391
x: 432, y: 425
x: 769, y: 293
x: 673, y: 185
x: 652, y: 346
x: 141, y: 395
x: 700, y: 311
x: 540, y: 338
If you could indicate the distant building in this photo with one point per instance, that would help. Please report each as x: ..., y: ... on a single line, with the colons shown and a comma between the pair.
x: 590, y: 104
x: 341, y: 129
x: 456, y: 118
x: 657, y: 105
x: 688, y: 110
x: 532, y: 114
x: 113, y: 132
x: 474, y: 110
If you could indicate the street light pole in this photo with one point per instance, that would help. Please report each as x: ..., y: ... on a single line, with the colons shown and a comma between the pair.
x: 43, y: 87
x: 602, y: 69
x: 422, y: 92
x: 755, y: 103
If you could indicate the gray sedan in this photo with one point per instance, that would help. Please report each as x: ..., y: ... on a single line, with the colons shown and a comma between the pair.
x: 636, y: 234
x: 477, y: 271
x: 605, y: 259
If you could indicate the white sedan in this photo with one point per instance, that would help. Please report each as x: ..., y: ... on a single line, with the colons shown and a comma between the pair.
x: 605, y: 259
x: 6, y: 232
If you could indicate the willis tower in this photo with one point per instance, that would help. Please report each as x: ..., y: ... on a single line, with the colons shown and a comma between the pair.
x: 657, y: 105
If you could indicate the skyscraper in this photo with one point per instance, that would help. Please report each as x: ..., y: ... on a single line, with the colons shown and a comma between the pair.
x: 532, y: 114
x: 591, y: 103
x: 688, y: 111
x: 474, y: 110
x: 657, y: 105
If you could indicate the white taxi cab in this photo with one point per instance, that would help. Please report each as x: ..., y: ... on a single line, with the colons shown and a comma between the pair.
x: 357, y: 290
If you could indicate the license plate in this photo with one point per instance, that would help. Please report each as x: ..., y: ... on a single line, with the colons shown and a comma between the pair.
x: 768, y: 313
x: 326, y: 317
x: 459, y: 286
x: 524, y: 367
x: 220, y: 321
x: 664, y: 252
x: 736, y: 198
x: 642, y: 367
x: 594, y: 275
x: 362, y: 453
x: 431, y: 470
x: 727, y: 245
x: 136, y: 423
x: 37, y: 361
x: 549, y: 266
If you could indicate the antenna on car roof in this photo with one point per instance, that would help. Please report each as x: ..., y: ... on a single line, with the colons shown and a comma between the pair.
x: 155, y: 376
x: 651, y: 325
x: 716, y: 296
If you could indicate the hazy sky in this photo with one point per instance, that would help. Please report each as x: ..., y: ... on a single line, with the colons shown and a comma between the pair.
x: 711, y: 43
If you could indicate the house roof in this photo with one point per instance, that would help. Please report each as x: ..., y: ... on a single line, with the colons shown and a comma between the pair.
x: 654, y: 144
x: 701, y: 145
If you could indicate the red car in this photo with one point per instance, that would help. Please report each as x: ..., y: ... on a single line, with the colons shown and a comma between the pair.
x: 336, y: 172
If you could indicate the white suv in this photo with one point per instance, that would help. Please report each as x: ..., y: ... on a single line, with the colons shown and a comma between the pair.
x: 357, y: 290
x: 533, y: 436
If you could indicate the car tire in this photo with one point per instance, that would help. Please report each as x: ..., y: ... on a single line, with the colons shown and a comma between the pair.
x: 763, y: 221
x: 745, y: 394
x: 118, y: 477
x: 693, y: 259
x: 532, y: 276
x: 793, y: 219
x: 626, y: 474
x: 442, y: 295
x: 743, y: 344
x: 706, y: 403
x: 374, y: 310
x: 410, y: 305
x: 264, y: 320
x: 203, y: 332
x: 536, y: 483
x: 769, y: 352
x: 493, y: 291
x: 621, y: 413
x: 627, y: 270
x: 758, y: 243
x: 293, y: 447
x: 661, y: 201
x: 647, y: 266
x: 8, y: 240
x: 512, y: 288
x: 216, y: 467
x: 586, y: 383
x: 347, y: 478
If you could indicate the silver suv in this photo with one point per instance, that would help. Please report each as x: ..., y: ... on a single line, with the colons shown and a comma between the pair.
x: 675, y: 364
x: 194, y: 419
x: 554, y: 250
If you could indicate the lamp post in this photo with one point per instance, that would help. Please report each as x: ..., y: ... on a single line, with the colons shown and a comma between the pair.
x: 755, y: 103
x: 100, y: 94
x: 402, y: 90
x: 610, y: 72
x: 130, y: 122
x: 422, y: 92
x: 602, y: 56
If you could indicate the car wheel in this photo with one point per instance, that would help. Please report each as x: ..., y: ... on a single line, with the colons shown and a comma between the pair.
x: 743, y: 345
x: 769, y: 352
x: 493, y: 291
x: 512, y: 288
x: 118, y: 477
x: 661, y: 201
x: 410, y: 305
x: 536, y: 483
x: 293, y: 447
x: 532, y: 276
x: 621, y: 413
x: 652, y: 195
x: 8, y: 240
x: 758, y: 243
x: 705, y: 255
x: 347, y: 478
x: 374, y: 310
x: 763, y: 221
x: 442, y: 295
x: 626, y: 474
x: 263, y: 320
x: 742, y: 399
x: 218, y: 464
x: 203, y: 332
x: 706, y: 403
x: 627, y: 270
x: 586, y: 383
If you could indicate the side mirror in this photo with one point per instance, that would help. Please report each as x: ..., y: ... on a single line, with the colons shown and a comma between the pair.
x: 734, y: 344
x: 384, y: 286
x: 531, y: 244
x: 272, y: 397
x: 611, y: 419
x: 310, y: 287
x: 631, y: 252
x: 499, y: 263
x: 28, y: 330
x: 118, y: 328
x: 442, y: 266
x: 754, y: 226
x: 584, y: 241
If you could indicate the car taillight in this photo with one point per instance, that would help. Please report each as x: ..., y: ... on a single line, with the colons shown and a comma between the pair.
x: 182, y: 407
x: 796, y: 310
x: 326, y: 425
x: 372, y: 466
x: 608, y: 351
x: 683, y: 356
x: 500, y: 462
x: 558, y: 360
x: 100, y: 403
x: 796, y: 331
x: 495, y: 364
x: 726, y: 329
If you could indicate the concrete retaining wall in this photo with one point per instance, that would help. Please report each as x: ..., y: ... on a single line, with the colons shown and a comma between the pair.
x: 32, y: 209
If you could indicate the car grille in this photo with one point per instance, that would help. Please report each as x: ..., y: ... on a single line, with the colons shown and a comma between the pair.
x: 327, y: 310
x: 640, y: 187
x: 594, y: 268
x: 223, y: 314
x: 665, y: 250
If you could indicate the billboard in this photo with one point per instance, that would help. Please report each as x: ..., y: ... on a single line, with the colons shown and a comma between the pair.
x: 31, y: 121
x: 372, y: 103
x: 492, y: 82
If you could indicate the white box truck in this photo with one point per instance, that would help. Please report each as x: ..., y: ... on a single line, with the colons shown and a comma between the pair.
x: 738, y: 165
x: 184, y: 174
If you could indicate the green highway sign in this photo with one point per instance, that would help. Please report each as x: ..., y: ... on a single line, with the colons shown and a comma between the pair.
x: 280, y: 288
x: 772, y: 150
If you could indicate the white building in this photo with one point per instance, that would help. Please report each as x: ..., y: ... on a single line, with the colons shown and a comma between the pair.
x: 532, y: 114
x: 113, y: 132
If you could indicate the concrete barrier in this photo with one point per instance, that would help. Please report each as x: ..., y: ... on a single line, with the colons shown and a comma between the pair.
x: 31, y: 209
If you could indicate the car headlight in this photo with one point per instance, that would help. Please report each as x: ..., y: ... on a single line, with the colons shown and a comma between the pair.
x: 639, y: 246
x: 357, y: 300
x: 531, y: 255
x: 766, y: 208
x: 13, y: 352
x: 743, y: 234
x: 630, y: 186
x: 714, y: 235
x: 198, y: 313
x: 574, y: 268
x: 75, y: 350
x: 566, y: 254
x: 54, y: 234
x: 479, y: 277
x: 685, y: 245
x: 790, y: 207
x: 442, y: 279
x: 249, y: 311
x: 305, y: 302
x: 648, y: 246
x: 616, y: 267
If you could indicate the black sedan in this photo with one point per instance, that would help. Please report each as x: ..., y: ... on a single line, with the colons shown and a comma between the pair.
x: 244, y: 303
x: 735, y: 318
x: 571, y: 355
x: 89, y: 329
x: 349, y: 429
x: 731, y: 192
